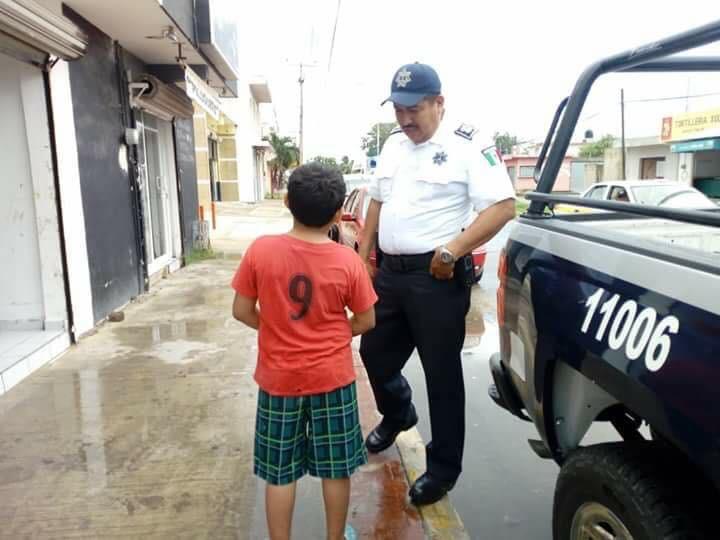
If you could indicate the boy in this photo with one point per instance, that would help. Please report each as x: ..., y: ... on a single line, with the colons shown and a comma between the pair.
x: 307, y: 416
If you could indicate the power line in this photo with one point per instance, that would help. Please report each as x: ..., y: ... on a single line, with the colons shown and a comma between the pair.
x: 647, y: 100
x: 604, y: 109
x: 332, y: 42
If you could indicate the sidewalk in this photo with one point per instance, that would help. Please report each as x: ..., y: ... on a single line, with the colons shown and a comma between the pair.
x: 145, y: 430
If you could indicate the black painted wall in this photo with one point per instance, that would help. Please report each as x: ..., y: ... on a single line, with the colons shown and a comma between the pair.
x: 107, y: 200
x: 187, y: 178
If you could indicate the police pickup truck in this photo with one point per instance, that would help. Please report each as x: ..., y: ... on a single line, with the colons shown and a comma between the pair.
x: 614, y: 317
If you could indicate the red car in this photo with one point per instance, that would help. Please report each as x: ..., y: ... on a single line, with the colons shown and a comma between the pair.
x: 350, y: 230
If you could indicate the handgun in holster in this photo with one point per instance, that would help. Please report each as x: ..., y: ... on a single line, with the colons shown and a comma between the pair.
x: 465, y: 271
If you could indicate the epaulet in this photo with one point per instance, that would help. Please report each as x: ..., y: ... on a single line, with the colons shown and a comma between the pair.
x: 396, y: 130
x: 466, y: 131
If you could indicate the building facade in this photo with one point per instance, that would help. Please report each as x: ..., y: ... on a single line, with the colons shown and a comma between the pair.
x: 99, y: 142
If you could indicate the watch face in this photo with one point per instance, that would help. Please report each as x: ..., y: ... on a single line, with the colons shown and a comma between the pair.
x: 446, y: 257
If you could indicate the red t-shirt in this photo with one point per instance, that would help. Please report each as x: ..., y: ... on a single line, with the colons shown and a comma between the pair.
x: 303, y: 290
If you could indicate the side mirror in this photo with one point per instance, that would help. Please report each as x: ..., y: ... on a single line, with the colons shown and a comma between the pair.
x: 347, y: 217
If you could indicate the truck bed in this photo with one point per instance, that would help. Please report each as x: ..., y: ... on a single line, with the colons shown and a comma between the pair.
x: 695, y: 238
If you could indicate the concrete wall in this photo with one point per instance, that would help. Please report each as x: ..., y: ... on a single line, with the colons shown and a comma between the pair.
x: 523, y: 184
x: 202, y: 159
x: 246, y: 114
x: 635, y: 156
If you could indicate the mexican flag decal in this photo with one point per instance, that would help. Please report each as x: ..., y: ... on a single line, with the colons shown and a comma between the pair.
x: 492, y: 155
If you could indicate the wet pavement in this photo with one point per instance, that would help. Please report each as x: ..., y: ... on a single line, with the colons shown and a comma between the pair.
x: 145, y: 429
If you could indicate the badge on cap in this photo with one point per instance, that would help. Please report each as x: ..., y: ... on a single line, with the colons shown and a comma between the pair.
x: 404, y: 77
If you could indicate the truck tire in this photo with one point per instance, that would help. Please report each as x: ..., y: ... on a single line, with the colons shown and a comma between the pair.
x: 628, y: 491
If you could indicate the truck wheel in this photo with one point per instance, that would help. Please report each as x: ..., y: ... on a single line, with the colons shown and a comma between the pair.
x: 625, y: 491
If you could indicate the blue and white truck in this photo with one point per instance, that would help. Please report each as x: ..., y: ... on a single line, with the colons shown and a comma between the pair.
x: 614, y: 316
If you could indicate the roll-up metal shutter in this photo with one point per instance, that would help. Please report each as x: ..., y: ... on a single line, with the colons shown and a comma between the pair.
x: 30, y: 32
x: 163, y: 100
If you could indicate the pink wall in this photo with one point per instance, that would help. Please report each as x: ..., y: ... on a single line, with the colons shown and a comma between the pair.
x: 523, y: 184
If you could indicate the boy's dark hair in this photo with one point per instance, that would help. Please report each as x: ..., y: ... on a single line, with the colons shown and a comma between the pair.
x: 315, y: 193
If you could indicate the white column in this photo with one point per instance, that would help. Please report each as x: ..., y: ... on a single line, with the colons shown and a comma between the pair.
x: 71, y: 199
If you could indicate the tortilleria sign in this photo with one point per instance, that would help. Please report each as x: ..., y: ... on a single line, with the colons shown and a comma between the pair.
x: 688, y: 126
x: 198, y: 91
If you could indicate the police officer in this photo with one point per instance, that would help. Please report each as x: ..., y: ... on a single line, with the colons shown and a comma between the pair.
x: 431, y: 180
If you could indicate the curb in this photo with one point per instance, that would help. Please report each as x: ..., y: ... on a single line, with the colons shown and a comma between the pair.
x: 440, y: 520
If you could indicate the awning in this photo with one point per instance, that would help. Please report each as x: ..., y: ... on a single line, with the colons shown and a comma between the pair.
x: 163, y: 100
x: 30, y: 32
x: 700, y: 145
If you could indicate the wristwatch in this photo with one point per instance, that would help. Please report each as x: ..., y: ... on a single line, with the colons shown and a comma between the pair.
x: 447, y: 256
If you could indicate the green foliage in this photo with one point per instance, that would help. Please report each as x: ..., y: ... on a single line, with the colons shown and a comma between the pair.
x: 369, y: 141
x: 504, y: 142
x: 198, y: 255
x: 287, y: 155
x: 596, y: 149
x: 327, y: 161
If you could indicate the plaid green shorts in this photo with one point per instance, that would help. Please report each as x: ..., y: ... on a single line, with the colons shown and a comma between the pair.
x: 318, y: 434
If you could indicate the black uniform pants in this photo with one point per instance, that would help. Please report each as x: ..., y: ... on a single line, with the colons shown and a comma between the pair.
x: 416, y: 310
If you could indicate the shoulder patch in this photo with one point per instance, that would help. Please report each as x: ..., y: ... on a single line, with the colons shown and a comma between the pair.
x: 492, y: 156
x: 466, y: 131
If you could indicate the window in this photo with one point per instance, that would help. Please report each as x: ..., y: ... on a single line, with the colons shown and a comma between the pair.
x: 350, y: 202
x: 526, y: 171
x: 366, y: 205
x: 619, y: 194
x: 512, y: 171
x: 652, y: 168
x: 597, y: 193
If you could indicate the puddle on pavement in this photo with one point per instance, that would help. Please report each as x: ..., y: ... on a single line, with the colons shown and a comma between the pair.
x: 121, y: 435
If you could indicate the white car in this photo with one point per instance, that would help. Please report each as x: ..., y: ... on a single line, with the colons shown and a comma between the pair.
x: 652, y: 192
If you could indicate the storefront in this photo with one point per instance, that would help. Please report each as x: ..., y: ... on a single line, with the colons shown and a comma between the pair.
x: 215, y: 145
x: 35, y: 313
x: 158, y: 105
x: 697, y: 137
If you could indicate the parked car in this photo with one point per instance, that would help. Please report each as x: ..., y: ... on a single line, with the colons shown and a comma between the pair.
x: 351, y: 227
x: 661, y: 193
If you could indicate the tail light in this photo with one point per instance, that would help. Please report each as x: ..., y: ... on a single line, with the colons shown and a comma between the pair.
x: 502, y: 277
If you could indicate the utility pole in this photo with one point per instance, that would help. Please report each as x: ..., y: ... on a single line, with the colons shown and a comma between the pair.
x: 622, y: 129
x: 377, y: 139
x: 301, y: 81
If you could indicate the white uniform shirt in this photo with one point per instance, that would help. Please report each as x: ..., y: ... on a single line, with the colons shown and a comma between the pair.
x: 428, y: 191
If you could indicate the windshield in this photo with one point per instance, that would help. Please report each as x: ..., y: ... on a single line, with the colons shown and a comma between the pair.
x: 689, y: 199
x: 672, y: 197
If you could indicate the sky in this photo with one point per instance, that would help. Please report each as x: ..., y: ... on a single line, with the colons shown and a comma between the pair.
x: 504, y: 66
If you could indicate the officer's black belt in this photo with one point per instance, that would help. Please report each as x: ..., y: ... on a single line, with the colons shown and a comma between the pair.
x: 408, y: 263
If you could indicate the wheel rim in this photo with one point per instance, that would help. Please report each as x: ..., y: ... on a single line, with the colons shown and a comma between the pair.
x: 594, y: 521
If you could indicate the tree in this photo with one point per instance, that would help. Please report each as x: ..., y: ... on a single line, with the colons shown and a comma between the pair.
x: 504, y: 142
x: 369, y: 141
x: 328, y: 161
x: 286, y: 156
x: 597, y: 148
x: 346, y: 165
